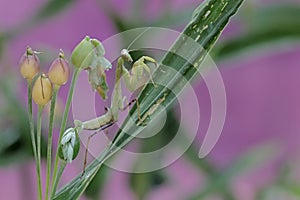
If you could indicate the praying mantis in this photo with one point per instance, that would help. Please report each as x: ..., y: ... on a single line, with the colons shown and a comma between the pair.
x: 131, y: 79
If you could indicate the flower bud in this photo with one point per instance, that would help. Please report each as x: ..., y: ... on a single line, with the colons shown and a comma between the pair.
x: 29, y: 64
x: 42, y: 90
x: 59, y: 70
x: 69, y: 145
x: 85, y: 52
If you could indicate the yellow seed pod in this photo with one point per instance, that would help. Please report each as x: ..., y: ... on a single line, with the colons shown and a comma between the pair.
x: 42, y: 90
x: 59, y: 70
x: 29, y: 64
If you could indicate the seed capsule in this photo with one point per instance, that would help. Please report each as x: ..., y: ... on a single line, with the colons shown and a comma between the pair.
x: 42, y: 90
x: 59, y: 70
x: 29, y: 64
x: 69, y: 146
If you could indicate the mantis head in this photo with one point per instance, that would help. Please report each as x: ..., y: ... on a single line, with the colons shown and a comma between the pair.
x: 126, y: 56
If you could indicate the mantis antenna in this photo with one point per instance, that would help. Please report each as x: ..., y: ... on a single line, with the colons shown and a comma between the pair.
x: 140, y: 35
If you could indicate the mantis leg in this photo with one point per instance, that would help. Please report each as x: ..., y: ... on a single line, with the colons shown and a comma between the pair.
x: 98, y: 122
x: 137, y: 105
x: 131, y: 79
x: 88, y: 142
x: 128, y: 104
x: 147, y: 58
x: 146, y: 68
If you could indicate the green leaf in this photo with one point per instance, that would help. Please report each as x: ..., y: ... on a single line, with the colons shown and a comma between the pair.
x: 283, y: 26
x: 210, y: 26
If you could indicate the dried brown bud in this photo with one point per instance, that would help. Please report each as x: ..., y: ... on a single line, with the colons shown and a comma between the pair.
x: 42, y: 90
x: 29, y: 64
x: 59, y: 70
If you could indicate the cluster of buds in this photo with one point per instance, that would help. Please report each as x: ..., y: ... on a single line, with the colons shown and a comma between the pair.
x: 89, y: 55
x: 58, y: 75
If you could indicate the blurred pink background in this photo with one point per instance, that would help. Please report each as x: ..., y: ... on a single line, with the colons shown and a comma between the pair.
x: 261, y: 86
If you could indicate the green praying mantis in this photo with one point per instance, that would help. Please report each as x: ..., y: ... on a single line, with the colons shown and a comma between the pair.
x: 131, y: 79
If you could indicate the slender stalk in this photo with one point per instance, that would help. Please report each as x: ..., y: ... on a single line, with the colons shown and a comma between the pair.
x: 39, y: 135
x: 33, y: 139
x: 30, y: 117
x: 49, y: 146
x: 55, y: 177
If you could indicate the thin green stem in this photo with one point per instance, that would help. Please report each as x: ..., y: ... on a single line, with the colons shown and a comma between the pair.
x: 39, y: 136
x: 33, y: 139
x: 62, y: 128
x: 49, y: 146
x: 57, y: 178
x: 30, y: 117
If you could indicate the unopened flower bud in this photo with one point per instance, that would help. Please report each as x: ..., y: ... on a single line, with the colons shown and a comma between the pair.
x: 59, y: 70
x: 85, y: 52
x: 29, y: 64
x: 70, y: 145
x: 42, y: 90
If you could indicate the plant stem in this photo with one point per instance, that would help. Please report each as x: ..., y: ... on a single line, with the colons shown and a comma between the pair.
x: 57, y: 178
x: 33, y: 141
x: 49, y: 146
x: 63, y: 127
x: 39, y: 135
x: 31, y: 124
